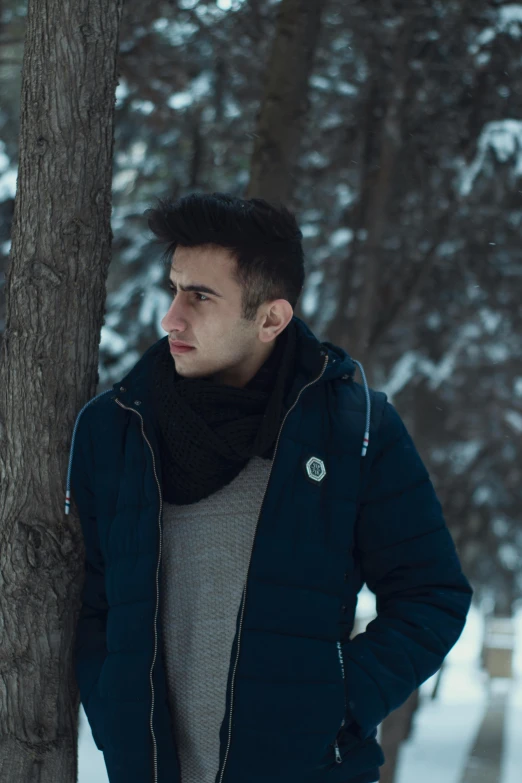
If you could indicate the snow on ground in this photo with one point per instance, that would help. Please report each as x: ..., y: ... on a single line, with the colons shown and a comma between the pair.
x: 512, y: 767
x: 91, y: 764
x: 444, y: 728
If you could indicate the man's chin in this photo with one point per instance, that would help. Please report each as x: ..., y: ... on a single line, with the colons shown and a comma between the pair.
x: 184, y: 370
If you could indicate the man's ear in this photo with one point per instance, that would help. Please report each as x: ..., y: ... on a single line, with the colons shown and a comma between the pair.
x: 276, y: 317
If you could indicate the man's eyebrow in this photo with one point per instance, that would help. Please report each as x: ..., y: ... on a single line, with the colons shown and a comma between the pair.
x: 203, y: 289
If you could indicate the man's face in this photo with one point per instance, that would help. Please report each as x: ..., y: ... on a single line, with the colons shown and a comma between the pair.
x: 209, y: 317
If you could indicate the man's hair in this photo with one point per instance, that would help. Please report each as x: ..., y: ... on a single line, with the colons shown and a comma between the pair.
x: 264, y: 240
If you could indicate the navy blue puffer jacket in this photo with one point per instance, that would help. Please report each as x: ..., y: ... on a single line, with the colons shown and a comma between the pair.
x: 348, y: 501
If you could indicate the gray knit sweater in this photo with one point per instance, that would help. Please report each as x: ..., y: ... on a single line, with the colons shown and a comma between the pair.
x: 206, y: 550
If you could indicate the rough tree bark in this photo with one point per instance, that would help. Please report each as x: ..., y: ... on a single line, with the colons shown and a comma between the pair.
x: 285, y: 101
x: 55, y: 291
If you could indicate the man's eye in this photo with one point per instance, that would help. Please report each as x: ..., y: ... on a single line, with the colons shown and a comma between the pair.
x: 201, y: 297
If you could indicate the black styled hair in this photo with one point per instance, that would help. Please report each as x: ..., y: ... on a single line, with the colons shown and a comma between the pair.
x: 264, y: 240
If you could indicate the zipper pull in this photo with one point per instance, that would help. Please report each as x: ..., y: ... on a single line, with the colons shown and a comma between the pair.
x: 336, y: 747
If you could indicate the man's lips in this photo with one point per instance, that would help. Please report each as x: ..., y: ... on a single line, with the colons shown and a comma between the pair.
x: 178, y: 347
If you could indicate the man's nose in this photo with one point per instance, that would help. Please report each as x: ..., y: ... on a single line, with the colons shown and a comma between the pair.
x: 175, y: 320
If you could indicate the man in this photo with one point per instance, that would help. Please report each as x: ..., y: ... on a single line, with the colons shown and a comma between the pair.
x: 235, y: 490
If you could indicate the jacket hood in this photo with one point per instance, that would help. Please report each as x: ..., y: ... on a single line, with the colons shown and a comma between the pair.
x: 135, y: 388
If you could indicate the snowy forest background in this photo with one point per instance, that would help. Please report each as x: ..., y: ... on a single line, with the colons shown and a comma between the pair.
x: 405, y: 172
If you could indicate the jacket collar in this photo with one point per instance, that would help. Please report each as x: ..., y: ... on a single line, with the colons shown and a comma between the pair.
x: 135, y: 388
x: 310, y: 354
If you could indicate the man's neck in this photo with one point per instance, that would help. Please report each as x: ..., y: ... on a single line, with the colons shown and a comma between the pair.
x: 240, y: 376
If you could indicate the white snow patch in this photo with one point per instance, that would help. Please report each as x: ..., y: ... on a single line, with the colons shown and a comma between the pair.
x: 4, y: 158
x: 232, y: 110
x: 134, y: 155
x: 502, y: 138
x: 462, y: 454
x: 412, y: 362
x: 143, y: 106
x: 124, y: 180
x: 122, y: 90
x: 345, y: 195
x: 482, y: 495
x: 309, y: 230
x: 111, y: 341
x: 319, y: 82
x: 8, y: 175
x: 161, y: 24
x: 514, y: 418
x: 497, y: 353
x: 200, y: 87
x: 314, y: 159
x: 310, y: 300
x: 510, y: 19
x: 347, y: 88
x: 508, y: 556
x: 401, y: 374
x: 179, y: 33
x: 341, y: 237
x: 490, y: 319
x: 8, y: 182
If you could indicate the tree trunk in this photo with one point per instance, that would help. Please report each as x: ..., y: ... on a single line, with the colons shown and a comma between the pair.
x: 505, y: 595
x: 285, y: 100
x: 376, y: 188
x: 395, y: 729
x: 55, y: 292
x: 436, y: 687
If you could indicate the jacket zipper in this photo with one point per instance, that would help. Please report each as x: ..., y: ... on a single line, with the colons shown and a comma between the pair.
x: 155, y: 747
x: 249, y: 561
x: 338, y: 757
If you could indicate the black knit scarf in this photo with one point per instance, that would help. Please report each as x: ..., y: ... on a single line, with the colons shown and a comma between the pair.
x: 209, y: 431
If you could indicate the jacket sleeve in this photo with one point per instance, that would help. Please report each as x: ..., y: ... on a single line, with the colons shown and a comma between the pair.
x: 408, y: 559
x: 90, y: 649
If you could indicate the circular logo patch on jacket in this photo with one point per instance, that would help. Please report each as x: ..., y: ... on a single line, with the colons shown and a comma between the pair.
x: 315, y: 469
